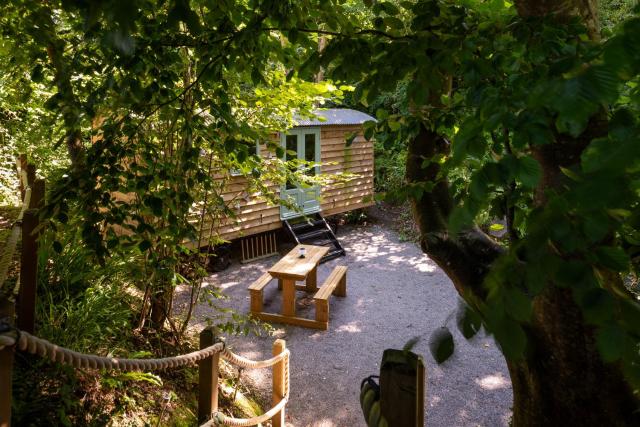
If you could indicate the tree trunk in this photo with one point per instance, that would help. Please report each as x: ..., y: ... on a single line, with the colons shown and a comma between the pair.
x: 562, y: 379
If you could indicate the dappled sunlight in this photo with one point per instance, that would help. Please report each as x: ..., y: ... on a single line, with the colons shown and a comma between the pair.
x: 325, y: 422
x: 493, y: 382
x: 387, y: 303
x: 351, y: 327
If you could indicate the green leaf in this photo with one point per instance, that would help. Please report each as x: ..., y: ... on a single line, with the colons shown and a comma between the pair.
x: 610, y: 341
x: 517, y: 304
x: 511, y: 338
x: 441, y: 344
x: 528, y: 171
x: 597, y: 306
x: 469, y: 321
x: 614, y: 258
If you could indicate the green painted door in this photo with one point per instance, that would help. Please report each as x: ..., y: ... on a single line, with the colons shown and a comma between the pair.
x: 304, y: 144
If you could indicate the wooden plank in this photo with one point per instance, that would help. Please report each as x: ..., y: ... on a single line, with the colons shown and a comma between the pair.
x: 339, y: 143
x: 420, y: 393
x: 332, y: 282
x: 346, y: 208
x: 208, y: 377
x: 349, y: 193
x: 346, y: 165
x: 358, y: 169
x: 230, y: 233
x: 322, y: 311
x: 279, y: 379
x: 256, y: 218
x: 261, y: 282
x: 256, y: 297
x: 288, y: 297
x: 363, y: 181
x: 334, y: 201
x: 291, y: 266
x: 342, y: 155
x: 312, y: 280
x: 28, y: 272
x: 297, y: 321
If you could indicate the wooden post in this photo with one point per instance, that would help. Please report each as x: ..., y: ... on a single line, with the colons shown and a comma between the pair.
x: 420, y: 393
x: 289, y: 297
x: 312, y: 280
x: 208, y: 377
x: 28, y: 272
x: 279, y: 375
x: 37, y: 194
x: 6, y: 367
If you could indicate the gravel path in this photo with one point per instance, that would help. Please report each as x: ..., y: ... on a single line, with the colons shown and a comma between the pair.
x: 394, y: 292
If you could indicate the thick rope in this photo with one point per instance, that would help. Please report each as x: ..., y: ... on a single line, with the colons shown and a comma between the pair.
x: 252, y: 364
x: 12, y: 242
x: 219, y: 419
x: 45, y: 349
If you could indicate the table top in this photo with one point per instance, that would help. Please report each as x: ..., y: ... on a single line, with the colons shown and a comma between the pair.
x: 291, y: 266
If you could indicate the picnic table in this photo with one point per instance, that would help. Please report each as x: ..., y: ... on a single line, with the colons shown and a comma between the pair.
x: 291, y: 268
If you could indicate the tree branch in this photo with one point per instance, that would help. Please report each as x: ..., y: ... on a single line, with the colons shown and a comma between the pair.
x: 466, y: 257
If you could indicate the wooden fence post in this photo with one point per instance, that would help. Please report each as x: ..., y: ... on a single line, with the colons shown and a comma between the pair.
x: 279, y: 375
x: 28, y: 272
x: 6, y: 367
x: 208, y: 377
x: 29, y: 259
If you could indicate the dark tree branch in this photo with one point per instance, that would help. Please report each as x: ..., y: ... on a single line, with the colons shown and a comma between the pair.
x: 367, y: 31
x: 466, y: 257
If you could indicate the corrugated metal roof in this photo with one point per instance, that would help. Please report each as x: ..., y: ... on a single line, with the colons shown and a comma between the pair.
x: 335, y: 116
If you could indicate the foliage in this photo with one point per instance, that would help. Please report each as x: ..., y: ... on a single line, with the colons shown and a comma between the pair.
x: 613, y: 12
x: 502, y: 88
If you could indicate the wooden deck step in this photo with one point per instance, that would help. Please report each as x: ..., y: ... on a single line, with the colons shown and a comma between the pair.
x: 255, y: 291
x: 335, y: 284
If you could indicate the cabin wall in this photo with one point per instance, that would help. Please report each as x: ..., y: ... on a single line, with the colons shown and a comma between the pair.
x: 337, y: 158
x: 255, y: 215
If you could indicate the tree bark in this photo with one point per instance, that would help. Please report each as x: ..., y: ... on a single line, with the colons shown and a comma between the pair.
x: 563, y: 10
x: 563, y: 380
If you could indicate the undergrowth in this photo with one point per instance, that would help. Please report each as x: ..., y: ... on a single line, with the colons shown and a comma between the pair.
x: 93, y: 308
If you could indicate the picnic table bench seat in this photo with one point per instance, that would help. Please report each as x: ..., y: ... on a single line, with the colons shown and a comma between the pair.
x: 335, y: 284
x: 256, y: 290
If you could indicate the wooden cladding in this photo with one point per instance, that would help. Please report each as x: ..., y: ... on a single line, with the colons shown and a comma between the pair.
x: 254, y: 215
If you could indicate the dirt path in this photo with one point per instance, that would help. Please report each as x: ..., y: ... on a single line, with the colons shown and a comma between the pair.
x: 394, y: 292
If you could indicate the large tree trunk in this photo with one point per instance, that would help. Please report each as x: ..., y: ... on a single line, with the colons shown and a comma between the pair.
x: 562, y: 380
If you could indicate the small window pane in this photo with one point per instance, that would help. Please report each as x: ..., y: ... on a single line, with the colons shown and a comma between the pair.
x: 291, y: 145
x: 310, y: 150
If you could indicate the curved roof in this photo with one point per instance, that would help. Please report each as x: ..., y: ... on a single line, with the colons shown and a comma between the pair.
x: 334, y: 116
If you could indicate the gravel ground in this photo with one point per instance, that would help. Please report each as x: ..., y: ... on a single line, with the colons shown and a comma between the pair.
x: 394, y: 292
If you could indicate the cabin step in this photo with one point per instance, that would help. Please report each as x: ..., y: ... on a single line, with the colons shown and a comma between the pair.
x: 302, y: 225
x: 313, y: 234
x: 316, y: 231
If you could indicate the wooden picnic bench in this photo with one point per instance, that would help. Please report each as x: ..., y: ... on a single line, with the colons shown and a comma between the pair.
x: 290, y: 269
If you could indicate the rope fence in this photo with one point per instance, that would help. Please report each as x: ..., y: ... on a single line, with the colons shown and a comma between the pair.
x: 22, y: 338
x: 29, y: 343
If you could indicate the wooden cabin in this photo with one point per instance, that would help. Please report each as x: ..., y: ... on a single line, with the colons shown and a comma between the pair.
x: 322, y: 141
